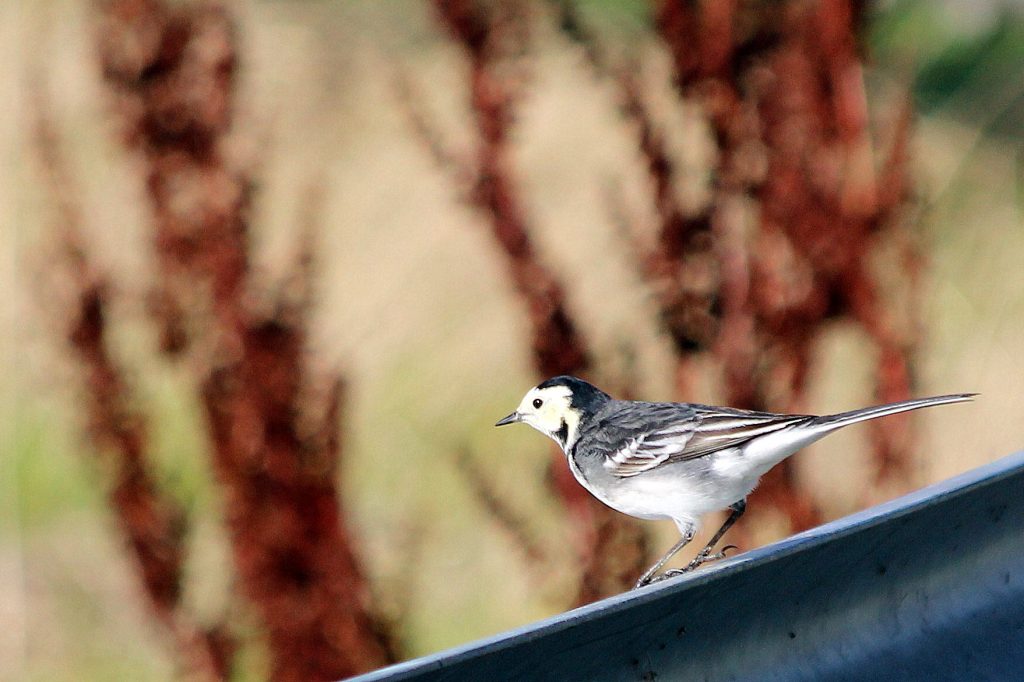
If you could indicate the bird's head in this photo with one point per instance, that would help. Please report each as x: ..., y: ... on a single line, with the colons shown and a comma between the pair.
x: 557, y: 407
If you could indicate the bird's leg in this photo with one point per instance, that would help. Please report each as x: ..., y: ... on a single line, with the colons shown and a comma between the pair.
x: 704, y: 556
x: 646, y: 577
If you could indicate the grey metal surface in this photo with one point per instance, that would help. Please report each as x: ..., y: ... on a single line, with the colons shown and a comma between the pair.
x: 929, y: 586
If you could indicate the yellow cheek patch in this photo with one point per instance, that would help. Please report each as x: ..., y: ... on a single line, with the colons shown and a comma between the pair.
x: 551, y: 416
x: 555, y: 411
x: 555, y: 414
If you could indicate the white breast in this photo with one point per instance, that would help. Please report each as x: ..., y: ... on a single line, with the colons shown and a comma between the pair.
x: 681, y: 493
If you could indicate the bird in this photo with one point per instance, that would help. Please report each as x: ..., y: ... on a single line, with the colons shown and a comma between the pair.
x: 677, y: 461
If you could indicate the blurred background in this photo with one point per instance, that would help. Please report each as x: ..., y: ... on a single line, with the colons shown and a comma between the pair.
x: 272, y: 270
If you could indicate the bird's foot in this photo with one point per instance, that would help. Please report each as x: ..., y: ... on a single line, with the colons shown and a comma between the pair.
x: 650, y: 580
x: 670, y: 573
x: 705, y: 557
x: 646, y: 580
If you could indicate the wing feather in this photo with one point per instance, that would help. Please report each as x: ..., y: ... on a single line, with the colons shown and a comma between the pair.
x: 694, y: 435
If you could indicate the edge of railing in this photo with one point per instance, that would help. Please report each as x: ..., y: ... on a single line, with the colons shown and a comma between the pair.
x: 945, y: 548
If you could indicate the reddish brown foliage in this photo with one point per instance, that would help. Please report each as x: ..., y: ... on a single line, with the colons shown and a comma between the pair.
x: 172, y: 72
x: 485, y: 35
x: 172, y: 69
x: 781, y: 85
x: 681, y: 268
x: 783, y: 89
x: 491, y: 34
x: 152, y: 522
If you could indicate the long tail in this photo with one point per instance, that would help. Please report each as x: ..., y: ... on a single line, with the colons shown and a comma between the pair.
x: 835, y: 421
x: 771, y: 448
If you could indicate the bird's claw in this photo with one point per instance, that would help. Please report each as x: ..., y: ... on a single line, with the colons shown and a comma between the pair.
x: 703, y: 558
x: 723, y: 553
x: 671, y: 573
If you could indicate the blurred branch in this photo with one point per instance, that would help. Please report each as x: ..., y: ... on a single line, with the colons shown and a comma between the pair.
x: 497, y: 508
x: 572, y: 26
x: 295, y: 298
x: 152, y: 522
x: 764, y: 71
x: 680, y: 267
x: 411, y: 101
x: 783, y: 245
x: 493, y: 36
x: 620, y: 556
x: 557, y: 345
x: 698, y: 269
x: 835, y: 216
x: 172, y: 69
x: 702, y: 44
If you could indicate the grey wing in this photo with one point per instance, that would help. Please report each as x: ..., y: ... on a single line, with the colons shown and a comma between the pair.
x: 649, y: 449
x: 700, y: 432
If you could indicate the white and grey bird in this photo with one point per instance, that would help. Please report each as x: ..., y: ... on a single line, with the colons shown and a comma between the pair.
x: 676, y: 461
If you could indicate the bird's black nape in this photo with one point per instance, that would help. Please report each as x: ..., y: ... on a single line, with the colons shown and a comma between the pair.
x: 585, y: 396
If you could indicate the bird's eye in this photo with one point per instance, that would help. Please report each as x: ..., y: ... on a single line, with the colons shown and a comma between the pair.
x: 537, y: 402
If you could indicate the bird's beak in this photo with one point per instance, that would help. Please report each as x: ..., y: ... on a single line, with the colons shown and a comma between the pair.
x: 511, y: 419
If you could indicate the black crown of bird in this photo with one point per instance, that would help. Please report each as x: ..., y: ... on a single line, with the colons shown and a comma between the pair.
x: 678, y: 461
